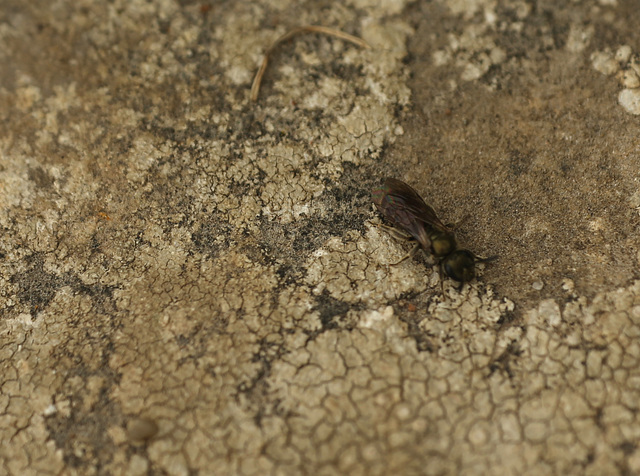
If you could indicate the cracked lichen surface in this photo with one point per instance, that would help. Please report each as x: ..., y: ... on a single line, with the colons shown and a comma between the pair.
x: 192, y: 283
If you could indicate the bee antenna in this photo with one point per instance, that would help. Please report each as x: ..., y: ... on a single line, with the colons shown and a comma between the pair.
x: 485, y: 260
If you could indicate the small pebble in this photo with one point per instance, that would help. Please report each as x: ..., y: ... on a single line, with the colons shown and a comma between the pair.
x: 604, y: 62
x: 630, y: 100
x: 475, y: 70
x: 629, y: 79
x: 498, y: 55
x: 568, y: 285
x: 141, y: 429
x: 537, y: 285
x: 623, y: 54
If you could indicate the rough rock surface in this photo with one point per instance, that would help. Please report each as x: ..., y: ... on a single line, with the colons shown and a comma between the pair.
x: 193, y: 283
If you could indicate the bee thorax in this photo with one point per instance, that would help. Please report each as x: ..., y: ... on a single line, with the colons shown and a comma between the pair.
x: 443, y: 244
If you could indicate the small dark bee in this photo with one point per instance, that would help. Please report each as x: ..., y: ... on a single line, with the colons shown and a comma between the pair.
x: 402, y: 206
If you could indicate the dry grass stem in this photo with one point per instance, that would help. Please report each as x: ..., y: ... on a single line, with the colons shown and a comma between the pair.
x: 255, y: 87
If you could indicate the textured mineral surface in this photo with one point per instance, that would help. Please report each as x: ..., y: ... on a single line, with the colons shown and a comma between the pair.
x: 195, y: 283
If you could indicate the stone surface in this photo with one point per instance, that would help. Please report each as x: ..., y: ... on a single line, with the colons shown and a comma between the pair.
x: 630, y: 100
x: 191, y: 281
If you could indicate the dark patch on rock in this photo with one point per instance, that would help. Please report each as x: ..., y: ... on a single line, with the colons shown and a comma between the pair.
x: 41, y: 178
x: 36, y: 287
x: 330, y: 308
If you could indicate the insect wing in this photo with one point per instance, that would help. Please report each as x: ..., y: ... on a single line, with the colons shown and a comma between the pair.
x: 402, y: 205
x: 398, y: 198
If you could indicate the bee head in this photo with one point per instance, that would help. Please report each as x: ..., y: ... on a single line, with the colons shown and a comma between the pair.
x: 460, y: 265
x: 443, y: 244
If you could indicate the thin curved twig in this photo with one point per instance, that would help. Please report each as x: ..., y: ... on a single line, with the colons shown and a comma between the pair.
x: 255, y: 87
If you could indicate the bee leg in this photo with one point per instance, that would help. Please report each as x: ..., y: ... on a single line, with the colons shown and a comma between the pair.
x: 441, y: 273
x: 397, y: 234
x: 402, y: 236
x: 410, y: 254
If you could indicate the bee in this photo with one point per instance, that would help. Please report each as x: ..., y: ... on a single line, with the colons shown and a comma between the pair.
x: 416, y: 221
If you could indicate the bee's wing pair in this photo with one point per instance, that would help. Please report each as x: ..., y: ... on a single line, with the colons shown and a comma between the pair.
x: 402, y: 205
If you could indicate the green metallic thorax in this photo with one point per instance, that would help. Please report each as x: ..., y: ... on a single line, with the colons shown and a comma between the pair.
x: 442, y: 243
